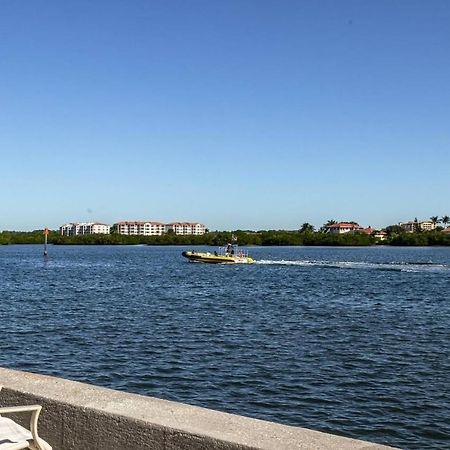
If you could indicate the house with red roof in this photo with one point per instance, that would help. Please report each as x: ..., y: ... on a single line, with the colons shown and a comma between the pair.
x: 380, y: 235
x: 343, y: 227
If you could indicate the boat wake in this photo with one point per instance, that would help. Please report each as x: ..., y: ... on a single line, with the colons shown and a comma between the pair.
x: 387, y: 266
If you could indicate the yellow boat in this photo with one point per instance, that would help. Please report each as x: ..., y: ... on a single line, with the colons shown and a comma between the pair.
x: 229, y: 256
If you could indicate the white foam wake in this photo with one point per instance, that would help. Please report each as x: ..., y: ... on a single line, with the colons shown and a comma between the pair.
x: 395, y: 266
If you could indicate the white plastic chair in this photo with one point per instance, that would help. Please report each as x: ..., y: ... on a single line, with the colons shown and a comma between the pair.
x: 14, y: 436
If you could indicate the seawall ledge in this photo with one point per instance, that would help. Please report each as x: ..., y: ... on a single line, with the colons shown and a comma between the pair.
x: 77, y: 415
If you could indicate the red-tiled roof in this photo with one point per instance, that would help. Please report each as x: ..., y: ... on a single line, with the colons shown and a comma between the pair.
x: 191, y: 224
x: 368, y: 230
x: 344, y: 225
x: 183, y: 224
x: 140, y: 222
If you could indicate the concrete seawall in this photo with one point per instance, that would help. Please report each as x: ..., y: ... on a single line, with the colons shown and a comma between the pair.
x: 80, y: 416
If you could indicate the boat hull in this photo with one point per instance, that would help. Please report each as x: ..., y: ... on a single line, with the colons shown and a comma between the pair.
x: 209, y: 258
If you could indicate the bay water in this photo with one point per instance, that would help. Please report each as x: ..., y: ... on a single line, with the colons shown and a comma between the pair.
x: 352, y: 341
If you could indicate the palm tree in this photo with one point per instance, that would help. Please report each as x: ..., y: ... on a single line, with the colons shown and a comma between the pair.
x: 445, y: 220
x: 435, y: 220
x: 306, y: 227
x: 325, y: 226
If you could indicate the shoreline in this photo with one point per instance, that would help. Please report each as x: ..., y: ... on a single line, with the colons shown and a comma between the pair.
x: 264, y: 238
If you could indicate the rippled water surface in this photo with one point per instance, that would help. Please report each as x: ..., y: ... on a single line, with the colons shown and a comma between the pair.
x: 353, y: 341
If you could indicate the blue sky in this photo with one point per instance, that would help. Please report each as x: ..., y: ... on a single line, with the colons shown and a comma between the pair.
x: 238, y: 114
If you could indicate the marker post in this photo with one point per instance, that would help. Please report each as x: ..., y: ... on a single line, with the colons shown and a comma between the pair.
x: 45, y: 242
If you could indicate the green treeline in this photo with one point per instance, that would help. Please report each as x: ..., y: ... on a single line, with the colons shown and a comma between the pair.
x: 420, y: 239
x: 25, y: 237
x: 220, y: 238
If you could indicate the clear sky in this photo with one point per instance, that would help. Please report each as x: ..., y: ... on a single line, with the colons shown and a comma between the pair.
x: 238, y: 114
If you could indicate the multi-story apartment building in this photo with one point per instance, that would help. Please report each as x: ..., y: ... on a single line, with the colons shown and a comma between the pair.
x: 415, y: 226
x: 184, y: 228
x: 140, y: 228
x: 78, y: 228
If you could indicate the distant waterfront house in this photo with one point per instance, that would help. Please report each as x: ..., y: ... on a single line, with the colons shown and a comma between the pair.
x: 415, y: 226
x: 380, y: 235
x: 446, y: 230
x: 369, y: 230
x: 140, y: 228
x: 343, y: 227
x: 80, y: 228
x: 184, y: 228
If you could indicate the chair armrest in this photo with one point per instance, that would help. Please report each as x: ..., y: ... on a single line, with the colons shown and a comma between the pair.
x: 35, y: 411
x: 19, y: 409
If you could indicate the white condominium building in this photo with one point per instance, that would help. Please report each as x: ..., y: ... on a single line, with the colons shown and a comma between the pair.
x: 415, y: 226
x: 75, y: 229
x: 186, y: 228
x: 140, y: 228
